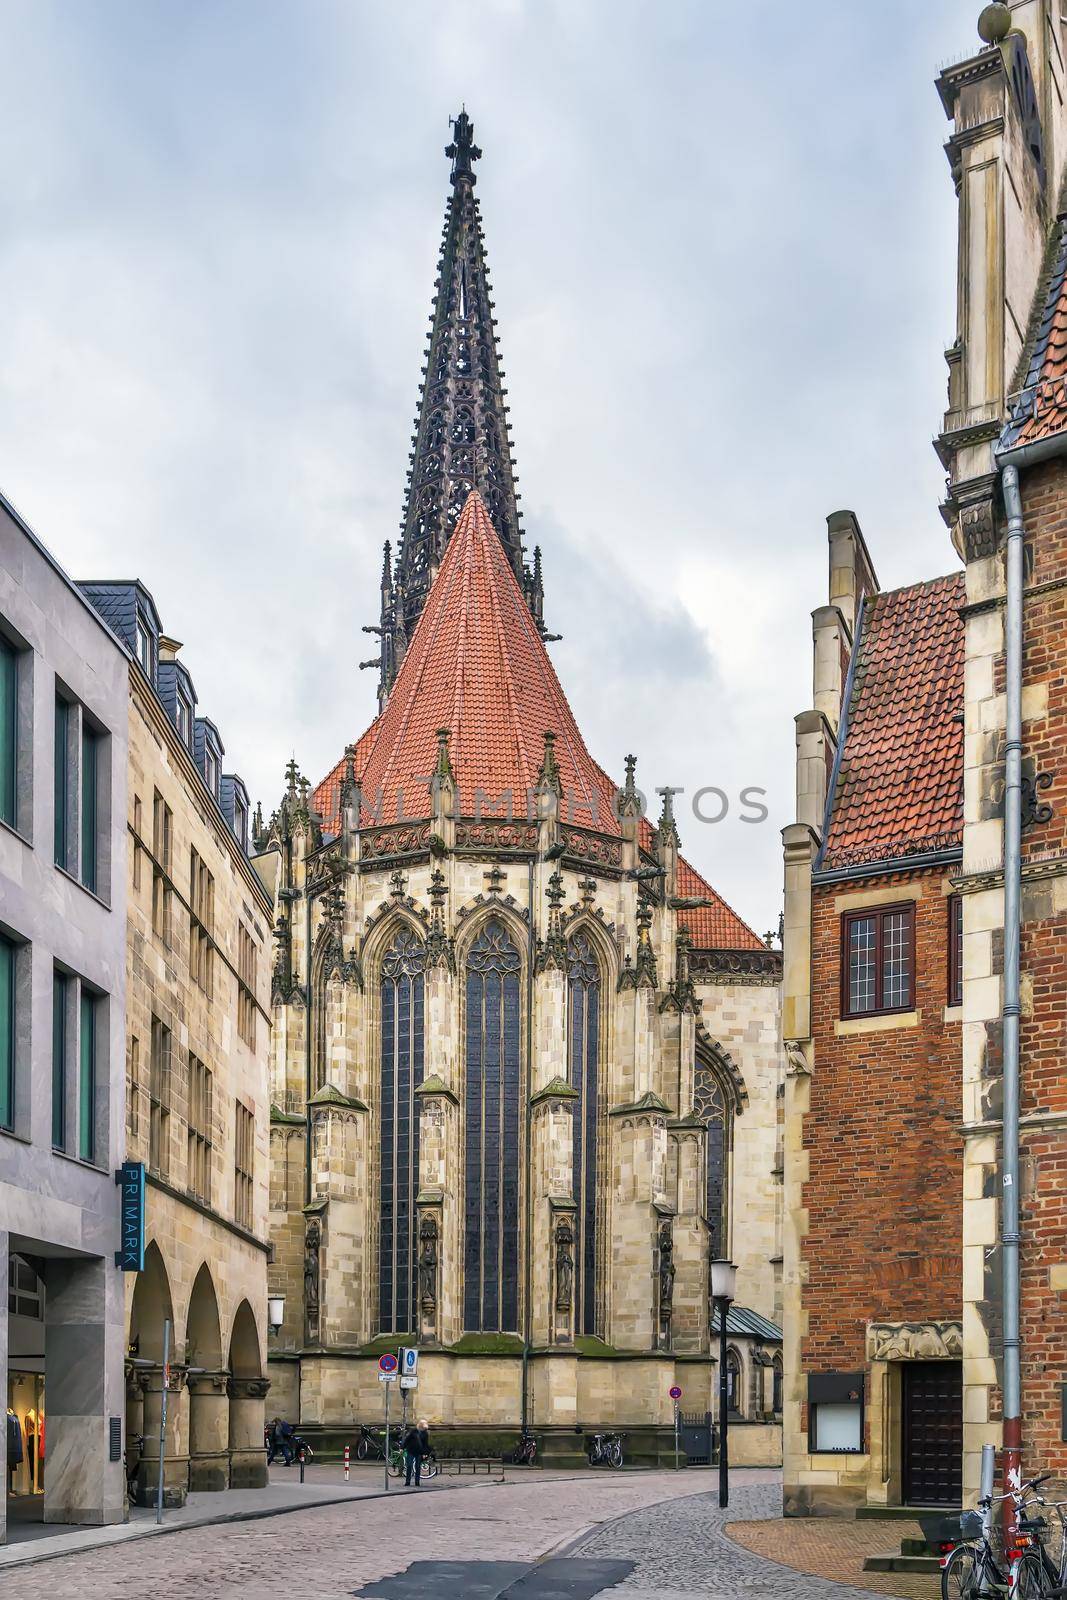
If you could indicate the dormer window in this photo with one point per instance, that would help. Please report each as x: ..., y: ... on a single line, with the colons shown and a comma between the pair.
x: 211, y: 771
x: 240, y: 822
x: 184, y: 719
x: 146, y: 648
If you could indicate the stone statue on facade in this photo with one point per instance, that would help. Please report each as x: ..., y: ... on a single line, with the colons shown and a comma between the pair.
x: 564, y: 1264
x: 666, y: 1276
x: 428, y: 1264
x: 312, y: 1241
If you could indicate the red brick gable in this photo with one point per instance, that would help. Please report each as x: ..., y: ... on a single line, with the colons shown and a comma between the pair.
x: 477, y: 665
x: 899, y: 783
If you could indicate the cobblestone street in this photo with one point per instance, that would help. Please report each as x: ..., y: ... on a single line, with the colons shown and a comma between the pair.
x: 668, y: 1527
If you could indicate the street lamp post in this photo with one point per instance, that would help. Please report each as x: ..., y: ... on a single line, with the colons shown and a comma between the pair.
x: 723, y: 1288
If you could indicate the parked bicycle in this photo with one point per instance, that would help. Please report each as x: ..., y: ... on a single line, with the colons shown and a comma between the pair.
x: 982, y: 1566
x: 605, y: 1449
x: 524, y: 1453
x: 430, y: 1468
x: 370, y: 1445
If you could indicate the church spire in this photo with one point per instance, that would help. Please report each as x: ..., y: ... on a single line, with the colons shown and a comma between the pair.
x: 461, y: 439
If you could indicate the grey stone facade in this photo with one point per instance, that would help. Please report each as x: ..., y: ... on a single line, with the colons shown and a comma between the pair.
x: 59, y: 1212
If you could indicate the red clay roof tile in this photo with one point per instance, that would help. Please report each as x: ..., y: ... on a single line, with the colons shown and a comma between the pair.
x: 477, y: 665
x: 899, y: 789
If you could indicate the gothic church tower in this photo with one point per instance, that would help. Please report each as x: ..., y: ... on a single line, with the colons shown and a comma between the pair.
x: 526, y: 1061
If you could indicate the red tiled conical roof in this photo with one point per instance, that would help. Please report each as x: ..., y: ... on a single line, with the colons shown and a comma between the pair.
x: 477, y: 666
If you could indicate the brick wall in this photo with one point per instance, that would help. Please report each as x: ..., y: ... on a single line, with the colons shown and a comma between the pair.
x: 884, y: 1189
x: 1044, y: 975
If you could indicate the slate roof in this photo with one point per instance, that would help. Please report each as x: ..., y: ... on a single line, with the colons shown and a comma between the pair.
x: 898, y: 788
x: 1040, y: 409
x: 739, y: 1319
x: 477, y: 665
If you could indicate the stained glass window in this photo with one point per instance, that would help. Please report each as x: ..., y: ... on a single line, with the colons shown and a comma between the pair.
x: 709, y: 1102
x: 583, y: 1048
x: 493, y: 1074
x: 402, y: 1067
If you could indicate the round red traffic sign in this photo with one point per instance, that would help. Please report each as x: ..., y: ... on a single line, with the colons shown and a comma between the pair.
x: 387, y: 1363
x: 676, y: 1393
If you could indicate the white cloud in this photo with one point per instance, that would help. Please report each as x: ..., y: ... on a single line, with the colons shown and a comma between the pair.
x: 721, y: 241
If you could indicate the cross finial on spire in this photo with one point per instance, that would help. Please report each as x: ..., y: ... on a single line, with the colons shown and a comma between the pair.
x: 463, y: 151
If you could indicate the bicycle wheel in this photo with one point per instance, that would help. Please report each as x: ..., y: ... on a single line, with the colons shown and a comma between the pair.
x: 361, y: 1450
x: 396, y: 1463
x: 961, y: 1574
x: 430, y: 1469
x: 1031, y: 1578
x: 615, y: 1453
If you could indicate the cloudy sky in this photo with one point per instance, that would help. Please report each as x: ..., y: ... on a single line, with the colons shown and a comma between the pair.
x: 722, y: 246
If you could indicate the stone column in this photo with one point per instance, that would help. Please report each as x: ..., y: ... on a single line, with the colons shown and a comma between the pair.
x: 84, y: 1387
x: 209, y: 1431
x: 175, y: 1454
x: 689, y: 1322
x: 248, y: 1458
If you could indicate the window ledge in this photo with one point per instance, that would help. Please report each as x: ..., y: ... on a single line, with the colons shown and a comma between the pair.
x: 84, y: 887
x: 81, y: 1161
x: 952, y: 1014
x: 13, y: 1133
x: 23, y: 838
x: 843, y: 1028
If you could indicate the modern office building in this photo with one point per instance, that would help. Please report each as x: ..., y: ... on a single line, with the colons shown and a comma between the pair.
x: 63, y: 760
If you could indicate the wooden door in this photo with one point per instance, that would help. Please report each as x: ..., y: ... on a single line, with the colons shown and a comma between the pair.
x: 933, y: 1433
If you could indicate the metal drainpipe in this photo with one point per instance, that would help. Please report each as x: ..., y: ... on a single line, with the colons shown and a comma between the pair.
x: 527, y: 1322
x: 1009, y: 1210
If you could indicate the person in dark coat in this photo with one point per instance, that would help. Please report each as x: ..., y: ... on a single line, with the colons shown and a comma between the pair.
x: 416, y: 1449
x: 280, y: 1441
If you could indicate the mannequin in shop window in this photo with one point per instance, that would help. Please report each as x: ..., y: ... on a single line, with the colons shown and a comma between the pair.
x: 14, y: 1441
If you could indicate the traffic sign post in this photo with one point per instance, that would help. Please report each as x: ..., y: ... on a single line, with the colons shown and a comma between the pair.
x: 676, y: 1395
x: 387, y: 1367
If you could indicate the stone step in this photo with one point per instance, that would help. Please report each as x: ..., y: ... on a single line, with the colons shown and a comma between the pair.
x: 903, y: 1513
x: 902, y: 1563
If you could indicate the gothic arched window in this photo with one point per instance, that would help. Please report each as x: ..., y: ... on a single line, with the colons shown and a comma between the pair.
x: 709, y: 1102
x: 401, y: 1067
x: 734, y: 1395
x: 583, y: 1053
x: 493, y: 1081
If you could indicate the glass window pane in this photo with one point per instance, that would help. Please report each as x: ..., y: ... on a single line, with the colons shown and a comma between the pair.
x: 87, y: 1079
x: 59, y: 1060
x: 90, y: 746
x: 8, y: 731
x: 7, y: 1033
x: 837, y: 1426
x: 62, y: 783
x: 896, y: 960
x: 861, y: 969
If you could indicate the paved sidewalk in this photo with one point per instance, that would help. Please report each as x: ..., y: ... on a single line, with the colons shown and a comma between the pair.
x: 334, y: 1551
x: 682, y: 1547
x: 837, y: 1549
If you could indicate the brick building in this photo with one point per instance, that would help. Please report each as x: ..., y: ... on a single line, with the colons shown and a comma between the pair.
x: 933, y: 1093
x: 873, y: 980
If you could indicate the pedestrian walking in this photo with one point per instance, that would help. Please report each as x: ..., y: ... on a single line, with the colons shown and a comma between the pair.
x: 280, y: 1441
x: 416, y: 1449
